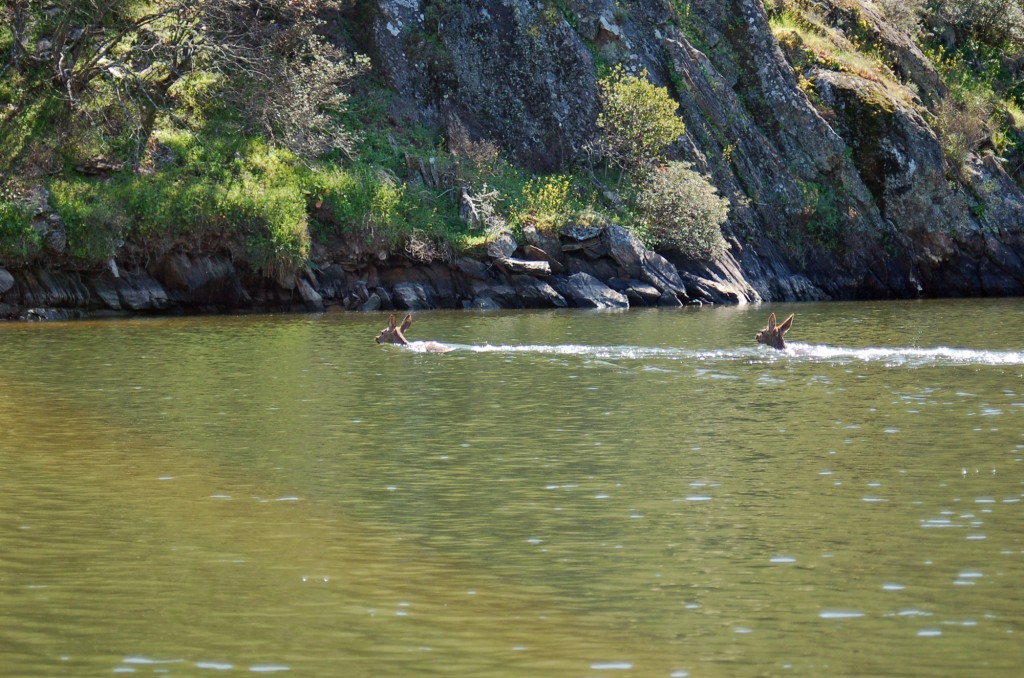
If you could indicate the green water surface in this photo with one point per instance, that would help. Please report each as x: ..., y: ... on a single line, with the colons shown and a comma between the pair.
x: 570, y: 493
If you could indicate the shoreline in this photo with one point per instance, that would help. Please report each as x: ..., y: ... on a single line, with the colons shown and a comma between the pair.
x: 580, y: 267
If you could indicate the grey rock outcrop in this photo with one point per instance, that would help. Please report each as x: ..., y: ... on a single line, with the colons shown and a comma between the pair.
x: 513, y: 71
x: 6, y: 281
x: 586, y: 291
x: 413, y: 296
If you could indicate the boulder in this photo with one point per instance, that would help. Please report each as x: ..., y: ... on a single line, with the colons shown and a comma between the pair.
x: 106, y: 291
x: 310, y: 297
x: 523, y: 266
x: 140, y: 292
x: 543, y: 241
x: 502, y: 246
x: 203, y: 281
x: 586, y: 291
x: 660, y: 272
x: 482, y: 304
x: 592, y: 248
x: 6, y: 281
x: 386, y: 302
x: 537, y: 293
x: 503, y: 294
x: 472, y: 268
x: 577, y: 264
x: 331, y: 282
x: 534, y: 253
x: 45, y: 288
x: 131, y: 291
x: 372, y: 303
x: 579, y: 233
x: 639, y: 262
x: 413, y: 296
x: 670, y: 300
x: 639, y: 293
x: 625, y: 248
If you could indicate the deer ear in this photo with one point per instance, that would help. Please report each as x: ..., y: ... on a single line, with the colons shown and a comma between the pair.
x: 786, y: 324
x: 771, y: 322
x: 405, y: 323
x: 391, y: 322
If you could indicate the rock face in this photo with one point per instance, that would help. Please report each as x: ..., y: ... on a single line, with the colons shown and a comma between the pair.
x: 838, y: 184
x: 516, y: 71
x: 586, y: 291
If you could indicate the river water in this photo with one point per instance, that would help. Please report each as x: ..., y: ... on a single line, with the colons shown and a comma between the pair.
x: 644, y: 493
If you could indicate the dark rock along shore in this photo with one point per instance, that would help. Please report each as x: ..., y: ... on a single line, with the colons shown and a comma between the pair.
x: 598, y: 268
x: 912, y: 227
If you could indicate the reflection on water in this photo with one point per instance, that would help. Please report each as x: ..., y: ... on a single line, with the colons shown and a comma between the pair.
x: 642, y: 493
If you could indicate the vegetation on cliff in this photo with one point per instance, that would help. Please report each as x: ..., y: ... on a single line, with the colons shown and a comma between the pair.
x: 168, y: 123
x: 132, y: 128
x: 976, y: 45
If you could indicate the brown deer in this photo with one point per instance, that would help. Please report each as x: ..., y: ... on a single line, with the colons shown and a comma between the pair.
x: 395, y: 334
x: 772, y: 335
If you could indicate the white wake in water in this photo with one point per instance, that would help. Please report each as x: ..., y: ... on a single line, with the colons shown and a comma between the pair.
x: 821, y: 353
x: 914, y: 356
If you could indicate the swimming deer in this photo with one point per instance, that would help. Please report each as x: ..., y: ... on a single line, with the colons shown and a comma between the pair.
x: 772, y: 335
x: 395, y: 334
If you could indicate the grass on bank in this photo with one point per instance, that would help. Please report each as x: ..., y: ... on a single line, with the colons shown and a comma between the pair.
x: 204, y: 181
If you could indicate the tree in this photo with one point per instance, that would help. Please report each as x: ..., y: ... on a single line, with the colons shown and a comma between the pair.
x: 637, y: 120
x: 119, y: 59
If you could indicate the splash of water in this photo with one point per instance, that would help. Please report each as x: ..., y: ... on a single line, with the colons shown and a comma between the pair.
x: 819, y: 353
x: 909, y: 356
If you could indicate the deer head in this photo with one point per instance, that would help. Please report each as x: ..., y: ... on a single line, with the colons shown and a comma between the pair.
x: 772, y: 335
x: 393, y: 334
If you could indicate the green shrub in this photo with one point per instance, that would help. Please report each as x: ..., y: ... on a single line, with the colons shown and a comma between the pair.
x: 546, y: 203
x: 345, y: 196
x: 637, y: 120
x: 370, y: 202
x: 265, y: 199
x: 963, y: 125
x: 998, y: 23
x: 93, y: 215
x: 905, y: 15
x: 18, y: 240
x: 682, y: 209
x: 255, y: 192
x: 821, y: 217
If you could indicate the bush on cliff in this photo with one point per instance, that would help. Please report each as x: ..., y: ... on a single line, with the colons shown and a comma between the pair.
x: 239, y: 189
x: 18, y: 240
x: 637, y: 120
x: 997, y: 23
x: 681, y: 208
x: 546, y: 203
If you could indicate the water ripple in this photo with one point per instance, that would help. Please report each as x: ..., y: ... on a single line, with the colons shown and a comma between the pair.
x: 894, y: 356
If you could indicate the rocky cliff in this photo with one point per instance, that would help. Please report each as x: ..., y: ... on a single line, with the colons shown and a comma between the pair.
x: 788, y: 141
x: 838, y: 182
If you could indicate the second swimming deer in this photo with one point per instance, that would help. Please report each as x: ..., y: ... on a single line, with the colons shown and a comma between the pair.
x: 395, y: 334
x: 772, y: 335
